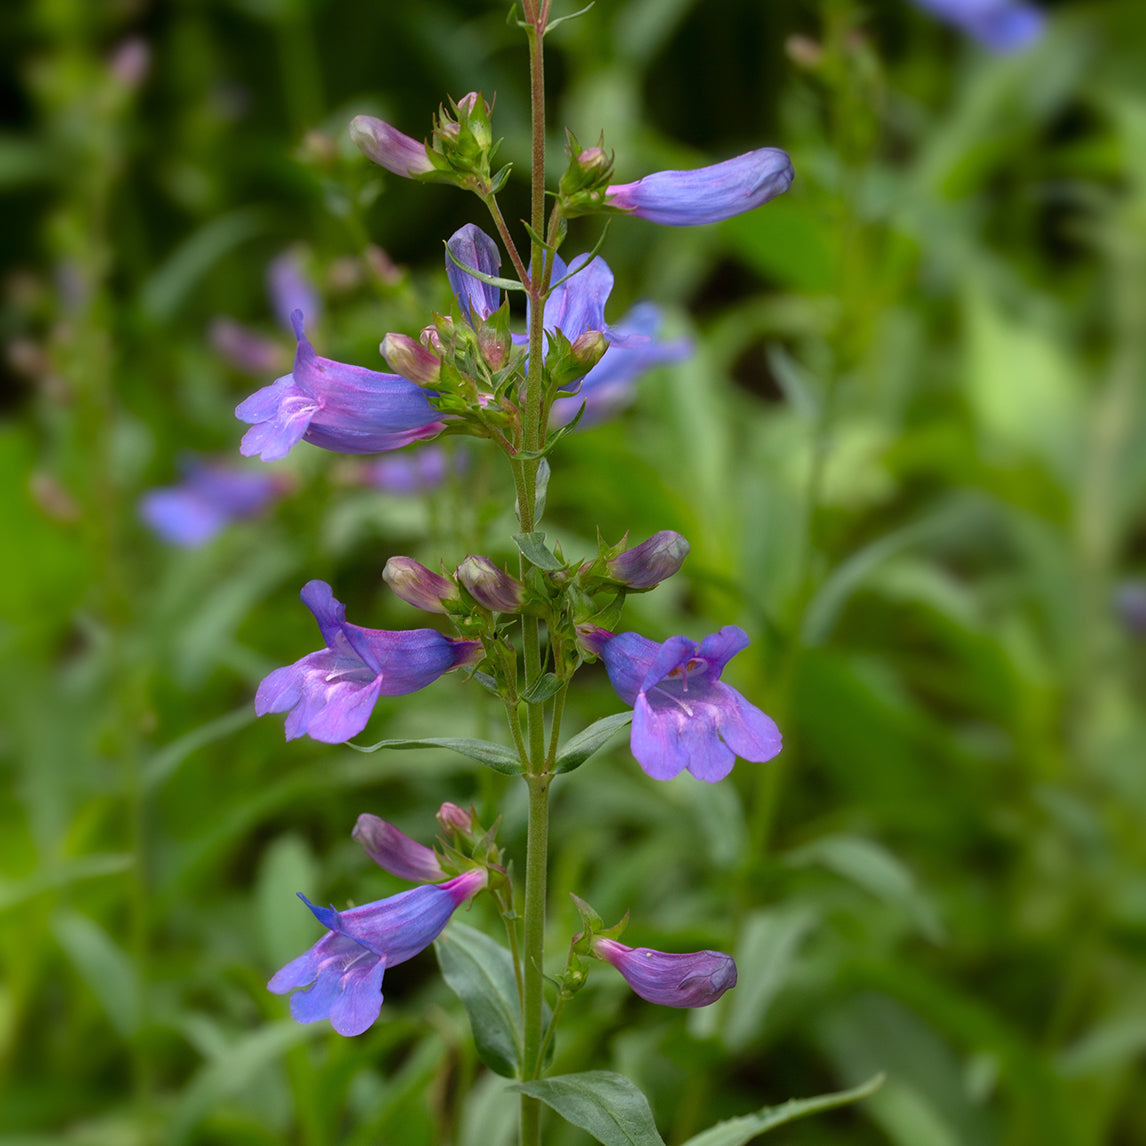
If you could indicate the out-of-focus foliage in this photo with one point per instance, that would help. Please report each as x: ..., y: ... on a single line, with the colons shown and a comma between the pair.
x: 910, y: 456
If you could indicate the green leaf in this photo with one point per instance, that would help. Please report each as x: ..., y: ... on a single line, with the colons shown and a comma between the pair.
x: 738, y: 1131
x: 164, y: 292
x: 871, y: 866
x: 481, y: 276
x: 495, y: 756
x: 103, y: 965
x: 163, y: 764
x: 480, y: 972
x: 588, y: 740
x: 607, y: 1105
x: 542, y: 688
x: 535, y: 551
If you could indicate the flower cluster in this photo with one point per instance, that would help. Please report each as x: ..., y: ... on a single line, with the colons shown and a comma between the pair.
x: 469, y: 373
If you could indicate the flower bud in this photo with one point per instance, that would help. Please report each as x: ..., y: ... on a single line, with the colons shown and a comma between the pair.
x: 707, y: 194
x: 396, y: 852
x: 409, y: 358
x: 589, y: 348
x: 495, y: 346
x: 692, y: 979
x: 417, y: 586
x: 490, y: 586
x: 651, y: 562
x: 455, y: 819
x: 388, y: 147
x: 431, y: 339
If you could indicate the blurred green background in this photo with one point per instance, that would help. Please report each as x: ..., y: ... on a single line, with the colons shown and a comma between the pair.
x: 910, y: 456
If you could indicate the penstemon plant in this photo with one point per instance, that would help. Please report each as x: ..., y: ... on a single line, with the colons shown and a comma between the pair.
x: 522, y: 637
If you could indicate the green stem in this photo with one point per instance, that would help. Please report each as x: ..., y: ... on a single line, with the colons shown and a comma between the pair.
x: 537, y: 778
x: 536, y: 875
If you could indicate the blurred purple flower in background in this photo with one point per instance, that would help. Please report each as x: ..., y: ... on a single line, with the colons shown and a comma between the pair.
x: 1001, y: 25
x: 413, y: 472
x: 690, y: 979
x: 290, y: 289
x: 684, y: 716
x: 330, y: 694
x: 342, y: 973
x: 707, y: 194
x: 347, y: 409
x: 210, y: 496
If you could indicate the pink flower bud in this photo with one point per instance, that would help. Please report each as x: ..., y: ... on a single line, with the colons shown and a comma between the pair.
x: 396, y: 852
x: 454, y: 818
x: 409, y: 358
x: 490, y: 586
x: 388, y: 147
x: 417, y: 586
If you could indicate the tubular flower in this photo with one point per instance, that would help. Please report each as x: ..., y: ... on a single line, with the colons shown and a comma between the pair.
x: 347, y: 409
x: 684, y: 716
x: 209, y: 498
x: 471, y: 246
x: 1001, y: 25
x: 395, y: 852
x: 330, y: 694
x: 342, y: 973
x: 388, y: 147
x: 706, y: 194
x: 692, y: 979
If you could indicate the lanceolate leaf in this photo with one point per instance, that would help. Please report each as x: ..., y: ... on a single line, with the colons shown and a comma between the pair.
x: 607, y: 1105
x: 738, y: 1131
x: 588, y: 740
x: 495, y: 756
x: 480, y: 972
x: 536, y: 552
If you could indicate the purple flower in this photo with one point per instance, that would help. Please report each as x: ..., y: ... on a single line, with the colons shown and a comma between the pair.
x: 395, y: 851
x: 210, y: 496
x: 290, y: 289
x: 707, y: 194
x: 692, y: 979
x: 348, y: 409
x: 342, y: 973
x: 684, y: 716
x: 1001, y: 25
x: 388, y: 147
x: 471, y: 246
x: 331, y: 693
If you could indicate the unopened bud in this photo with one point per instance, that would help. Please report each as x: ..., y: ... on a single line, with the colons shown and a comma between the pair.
x: 589, y: 348
x: 411, y: 359
x: 431, y: 339
x: 455, y: 819
x: 490, y: 586
x: 396, y: 852
x: 388, y: 147
x: 651, y: 562
x: 417, y: 586
x: 593, y: 160
x: 495, y: 346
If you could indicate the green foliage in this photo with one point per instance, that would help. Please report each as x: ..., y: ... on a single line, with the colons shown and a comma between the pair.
x: 909, y: 455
